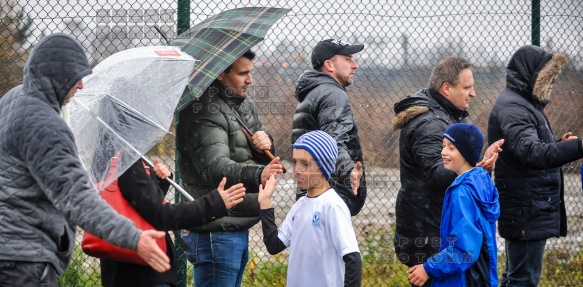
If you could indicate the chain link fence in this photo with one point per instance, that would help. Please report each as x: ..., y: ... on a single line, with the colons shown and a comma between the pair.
x: 402, y: 40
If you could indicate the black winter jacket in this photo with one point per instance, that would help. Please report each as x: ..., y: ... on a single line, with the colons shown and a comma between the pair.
x: 146, y: 193
x: 211, y: 145
x: 528, y: 172
x: 324, y: 105
x: 423, y: 118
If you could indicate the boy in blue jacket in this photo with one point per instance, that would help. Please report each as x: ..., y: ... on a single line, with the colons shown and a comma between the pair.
x: 468, y: 253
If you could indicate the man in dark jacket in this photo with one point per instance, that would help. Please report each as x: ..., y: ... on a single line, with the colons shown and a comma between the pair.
x: 211, y: 145
x: 324, y: 105
x: 423, y: 118
x: 44, y: 190
x: 528, y: 175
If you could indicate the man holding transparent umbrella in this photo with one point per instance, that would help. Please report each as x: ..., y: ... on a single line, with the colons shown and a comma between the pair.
x: 211, y: 145
x: 44, y: 190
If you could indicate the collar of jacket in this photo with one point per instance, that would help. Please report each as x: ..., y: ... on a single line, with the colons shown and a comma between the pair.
x: 447, y: 105
x: 309, y: 80
x: 421, y: 102
x: 217, y: 89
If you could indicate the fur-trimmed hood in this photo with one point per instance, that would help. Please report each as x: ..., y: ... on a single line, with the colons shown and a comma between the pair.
x: 410, y: 107
x: 422, y: 102
x: 532, y: 71
x: 402, y: 118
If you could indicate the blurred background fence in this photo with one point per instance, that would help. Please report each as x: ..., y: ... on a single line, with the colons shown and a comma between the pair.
x: 403, y: 40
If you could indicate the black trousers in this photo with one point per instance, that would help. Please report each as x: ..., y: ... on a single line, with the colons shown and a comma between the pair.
x: 25, y: 274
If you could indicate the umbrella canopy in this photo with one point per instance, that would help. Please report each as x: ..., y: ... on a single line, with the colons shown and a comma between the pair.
x: 220, y: 40
x: 127, y: 104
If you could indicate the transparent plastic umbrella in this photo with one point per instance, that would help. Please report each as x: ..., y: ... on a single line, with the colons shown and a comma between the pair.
x: 127, y: 104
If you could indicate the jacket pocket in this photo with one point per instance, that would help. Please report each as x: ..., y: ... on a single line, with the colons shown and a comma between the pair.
x: 64, y: 242
x: 543, y: 208
x: 512, y: 221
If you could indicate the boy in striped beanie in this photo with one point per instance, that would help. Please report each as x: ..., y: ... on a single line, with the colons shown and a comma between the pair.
x: 318, y: 228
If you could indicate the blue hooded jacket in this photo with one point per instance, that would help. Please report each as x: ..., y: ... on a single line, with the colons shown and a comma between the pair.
x: 468, y: 252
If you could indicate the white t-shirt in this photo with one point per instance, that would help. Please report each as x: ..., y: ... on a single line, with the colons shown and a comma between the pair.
x: 318, y: 231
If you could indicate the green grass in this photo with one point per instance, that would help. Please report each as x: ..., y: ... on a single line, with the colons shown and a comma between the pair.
x: 82, y: 271
x: 561, y: 267
x: 379, y: 265
x: 270, y: 272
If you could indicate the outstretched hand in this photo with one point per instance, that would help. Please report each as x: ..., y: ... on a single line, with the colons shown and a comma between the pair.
x: 273, y: 168
x: 355, y: 177
x: 491, y: 155
x: 149, y: 250
x: 233, y: 195
x: 266, y: 193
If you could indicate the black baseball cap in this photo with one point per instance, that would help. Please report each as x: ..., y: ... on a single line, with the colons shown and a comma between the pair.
x: 329, y: 48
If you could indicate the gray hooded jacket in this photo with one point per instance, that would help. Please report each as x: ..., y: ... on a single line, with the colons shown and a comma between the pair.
x: 44, y: 190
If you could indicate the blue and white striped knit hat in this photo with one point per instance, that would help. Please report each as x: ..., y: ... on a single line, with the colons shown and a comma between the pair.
x: 323, y: 149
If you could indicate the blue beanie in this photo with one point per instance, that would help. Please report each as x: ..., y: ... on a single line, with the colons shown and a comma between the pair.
x: 468, y: 139
x: 323, y: 149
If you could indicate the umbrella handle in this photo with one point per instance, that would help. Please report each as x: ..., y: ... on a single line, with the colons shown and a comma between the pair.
x: 173, y: 183
x: 249, y: 136
x: 271, y: 157
x: 179, y: 188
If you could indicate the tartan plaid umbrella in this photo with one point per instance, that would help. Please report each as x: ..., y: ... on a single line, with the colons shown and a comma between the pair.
x: 219, y: 41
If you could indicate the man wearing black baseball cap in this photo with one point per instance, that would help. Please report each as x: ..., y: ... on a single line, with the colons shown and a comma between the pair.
x: 324, y: 105
x: 327, y: 49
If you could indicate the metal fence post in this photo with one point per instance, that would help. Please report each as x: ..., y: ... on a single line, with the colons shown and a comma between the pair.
x: 183, y: 16
x: 536, y: 22
x: 183, y: 23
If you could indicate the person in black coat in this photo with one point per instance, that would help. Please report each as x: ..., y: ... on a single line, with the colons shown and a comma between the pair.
x: 528, y: 175
x: 324, y: 105
x: 145, y: 191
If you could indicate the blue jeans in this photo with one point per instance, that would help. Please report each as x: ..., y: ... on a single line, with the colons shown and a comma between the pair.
x: 524, y: 261
x: 219, y: 258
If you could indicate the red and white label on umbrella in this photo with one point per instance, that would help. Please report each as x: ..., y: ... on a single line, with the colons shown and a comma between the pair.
x: 167, y: 53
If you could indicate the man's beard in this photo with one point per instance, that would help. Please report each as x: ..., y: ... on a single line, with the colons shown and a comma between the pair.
x: 346, y: 81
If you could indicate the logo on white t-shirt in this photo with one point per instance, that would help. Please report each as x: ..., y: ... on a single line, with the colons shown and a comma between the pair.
x: 316, y: 219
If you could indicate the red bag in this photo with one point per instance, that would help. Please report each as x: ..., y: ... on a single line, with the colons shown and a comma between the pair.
x: 97, y: 247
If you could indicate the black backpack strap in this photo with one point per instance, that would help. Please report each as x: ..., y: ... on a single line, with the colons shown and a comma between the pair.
x: 180, y: 241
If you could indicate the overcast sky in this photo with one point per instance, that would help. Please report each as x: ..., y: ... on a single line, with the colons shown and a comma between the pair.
x: 482, y: 31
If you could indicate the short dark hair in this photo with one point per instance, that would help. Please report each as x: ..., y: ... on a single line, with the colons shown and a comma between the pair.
x: 448, y: 70
x: 249, y: 55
